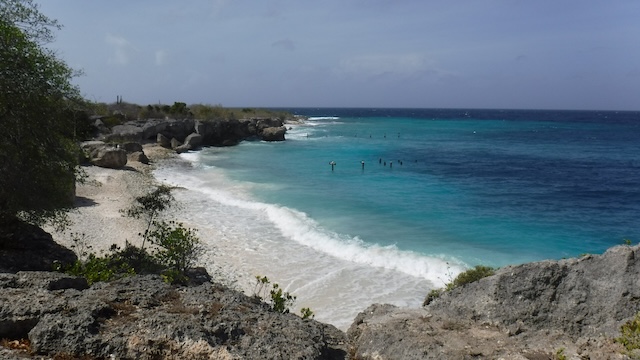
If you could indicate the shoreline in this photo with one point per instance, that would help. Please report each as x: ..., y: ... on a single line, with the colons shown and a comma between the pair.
x: 97, y: 222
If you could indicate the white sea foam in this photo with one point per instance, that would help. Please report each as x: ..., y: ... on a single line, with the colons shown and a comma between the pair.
x: 315, y: 118
x: 334, y: 274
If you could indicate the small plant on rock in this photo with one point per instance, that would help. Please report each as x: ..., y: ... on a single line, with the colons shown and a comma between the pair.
x: 465, y: 277
x: 630, y: 334
x: 280, y: 301
x: 469, y: 276
x: 306, y: 313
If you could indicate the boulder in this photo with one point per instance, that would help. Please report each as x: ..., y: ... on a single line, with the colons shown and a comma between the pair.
x: 182, y: 148
x: 109, y: 157
x: 152, y: 128
x: 138, y: 156
x: 131, y: 147
x: 273, y: 133
x: 163, y: 141
x: 193, y: 141
x: 524, y: 311
x: 175, y: 143
x: 125, y: 132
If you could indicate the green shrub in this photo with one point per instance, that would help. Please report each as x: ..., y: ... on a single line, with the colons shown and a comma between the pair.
x: 306, y: 313
x: 433, y: 294
x: 178, y: 247
x: 149, y: 207
x: 630, y: 334
x: 96, y: 269
x: 280, y: 301
x: 465, y: 277
x: 469, y: 276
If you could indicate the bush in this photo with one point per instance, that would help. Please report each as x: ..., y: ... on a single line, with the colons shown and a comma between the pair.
x: 630, y: 334
x: 466, y: 277
x: 178, y: 247
x: 96, y: 269
x: 280, y: 300
x: 469, y: 276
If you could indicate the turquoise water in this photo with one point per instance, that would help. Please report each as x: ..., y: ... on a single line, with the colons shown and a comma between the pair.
x: 440, y: 190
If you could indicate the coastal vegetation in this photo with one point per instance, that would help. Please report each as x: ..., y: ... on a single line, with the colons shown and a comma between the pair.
x: 120, y: 112
x: 280, y: 301
x: 43, y: 117
x: 466, y: 277
x: 175, y: 247
x: 630, y: 335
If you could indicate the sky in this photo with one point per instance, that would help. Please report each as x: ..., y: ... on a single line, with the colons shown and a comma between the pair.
x: 545, y: 54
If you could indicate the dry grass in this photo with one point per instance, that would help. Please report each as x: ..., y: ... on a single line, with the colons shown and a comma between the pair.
x: 19, y: 344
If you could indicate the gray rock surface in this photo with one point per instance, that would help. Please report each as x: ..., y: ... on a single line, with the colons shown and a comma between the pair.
x: 102, y: 154
x: 139, y: 157
x: 163, y: 141
x: 273, y: 133
x: 144, y: 318
x: 528, y: 311
x: 220, y: 132
x: 126, y: 132
x: 109, y: 157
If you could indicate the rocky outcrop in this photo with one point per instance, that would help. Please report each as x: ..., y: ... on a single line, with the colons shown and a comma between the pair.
x: 104, y: 155
x: 526, y: 311
x: 142, y: 317
x: 273, y: 133
x: 27, y: 247
x: 222, y: 132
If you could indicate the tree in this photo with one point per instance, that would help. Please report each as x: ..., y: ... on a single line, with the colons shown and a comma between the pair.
x: 38, y: 108
x: 149, y: 206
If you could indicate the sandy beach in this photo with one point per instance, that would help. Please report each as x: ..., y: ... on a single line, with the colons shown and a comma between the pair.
x: 97, y: 222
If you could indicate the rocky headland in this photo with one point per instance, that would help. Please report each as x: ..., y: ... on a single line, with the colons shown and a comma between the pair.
x: 566, y: 309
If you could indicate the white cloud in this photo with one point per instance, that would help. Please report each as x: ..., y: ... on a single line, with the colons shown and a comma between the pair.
x: 285, y: 44
x: 376, y: 65
x: 161, y: 57
x: 122, y: 49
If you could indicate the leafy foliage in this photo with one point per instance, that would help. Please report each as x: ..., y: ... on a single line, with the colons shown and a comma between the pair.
x: 630, y: 334
x: 280, y: 301
x: 100, y: 268
x: 40, y: 111
x: 149, y: 206
x: 469, y: 276
x: 306, y: 313
x: 178, y: 247
x: 465, y: 277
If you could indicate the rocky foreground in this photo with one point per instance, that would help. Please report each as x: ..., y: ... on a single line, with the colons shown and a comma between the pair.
x: 542, y: 310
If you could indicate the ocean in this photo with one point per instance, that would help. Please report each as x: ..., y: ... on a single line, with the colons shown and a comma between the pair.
x: 414, y: 196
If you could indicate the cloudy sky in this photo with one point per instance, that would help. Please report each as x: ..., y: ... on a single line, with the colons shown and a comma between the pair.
x: 545, y: 54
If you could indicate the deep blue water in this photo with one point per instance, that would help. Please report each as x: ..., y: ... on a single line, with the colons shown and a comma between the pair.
x: 440, y: 189
x: 485, y: 186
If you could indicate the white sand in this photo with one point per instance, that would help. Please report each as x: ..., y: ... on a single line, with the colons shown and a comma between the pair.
x: 97, y: 221
x: 97, y: 218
